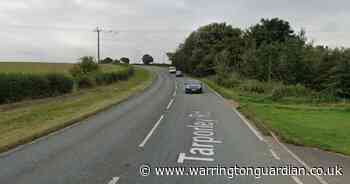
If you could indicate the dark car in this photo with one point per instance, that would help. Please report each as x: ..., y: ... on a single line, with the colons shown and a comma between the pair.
x: 193, y: 86
x: 178, y: 73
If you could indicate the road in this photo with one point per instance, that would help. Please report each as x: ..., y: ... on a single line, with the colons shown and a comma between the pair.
x: 162, y: 127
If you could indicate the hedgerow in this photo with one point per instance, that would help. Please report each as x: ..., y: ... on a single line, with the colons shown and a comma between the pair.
x: 18, y: 86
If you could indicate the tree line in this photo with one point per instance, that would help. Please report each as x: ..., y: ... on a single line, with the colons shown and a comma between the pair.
x: 268, y: 51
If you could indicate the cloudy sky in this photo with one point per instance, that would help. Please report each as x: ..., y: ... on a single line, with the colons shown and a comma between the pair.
x: 62, y: 30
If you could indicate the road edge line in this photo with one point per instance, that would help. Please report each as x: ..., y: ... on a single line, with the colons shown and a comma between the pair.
x: 254, y: 130
x: 297, y: 158
x: 297, y: 180
x: 274, y: 154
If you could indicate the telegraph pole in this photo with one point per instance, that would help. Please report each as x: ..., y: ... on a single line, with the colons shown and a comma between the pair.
x: 98, y: 30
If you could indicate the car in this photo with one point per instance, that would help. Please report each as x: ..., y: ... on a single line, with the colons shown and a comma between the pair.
x: 172, y: 69
x: 178, y: 73
x: 193, y: 86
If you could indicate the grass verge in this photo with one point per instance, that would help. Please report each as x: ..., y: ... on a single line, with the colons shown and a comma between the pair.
x: 325, y: 126
x: 23, y: 122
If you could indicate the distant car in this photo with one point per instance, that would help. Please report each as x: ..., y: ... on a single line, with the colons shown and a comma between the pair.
x: 172, y: 69
x: 178, y: 73
x: 193, y: 86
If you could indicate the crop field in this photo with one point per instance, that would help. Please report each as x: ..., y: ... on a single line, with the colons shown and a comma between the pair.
x: 27, y: 120
x: 21, y: 67
x: 32, y: 67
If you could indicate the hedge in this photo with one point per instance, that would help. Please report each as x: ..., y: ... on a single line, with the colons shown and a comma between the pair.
x: 103, y: 78
x: 18, y: 86
x: 15, y: 87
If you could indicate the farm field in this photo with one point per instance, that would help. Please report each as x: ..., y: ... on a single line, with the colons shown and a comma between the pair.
x: 27, y: 120
x: 35, y: 68
x: 28, y: 67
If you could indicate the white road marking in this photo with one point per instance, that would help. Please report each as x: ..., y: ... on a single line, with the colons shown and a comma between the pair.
x: 275, y: 155
x: 170, y: 103
x: 182, y: 157
x: 216, y: 93
x: 257, y: 134
x: 151, y: 132
x: 174, y: 94
x: 297, y: 180
x: 114, y: 180
x: 319, y: 178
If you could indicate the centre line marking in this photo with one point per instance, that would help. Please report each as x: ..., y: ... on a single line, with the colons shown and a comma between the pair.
x: 275, y: 155
x: 151, y: 132
x: 170, y: 103
x: 114, y: 180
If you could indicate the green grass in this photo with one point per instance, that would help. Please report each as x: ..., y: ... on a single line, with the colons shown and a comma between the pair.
x: 25, y: 121
x: 328, y: 129
x: 325, y: 126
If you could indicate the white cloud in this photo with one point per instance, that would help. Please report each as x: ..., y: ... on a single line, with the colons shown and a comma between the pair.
x: 62, y: 30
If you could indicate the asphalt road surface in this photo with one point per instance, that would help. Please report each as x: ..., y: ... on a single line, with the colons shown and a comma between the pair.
x: 162, y: 127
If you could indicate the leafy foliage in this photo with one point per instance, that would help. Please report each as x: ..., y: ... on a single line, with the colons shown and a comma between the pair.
x: 268, y: 51
x: 116, y: 61
x: 147, y: 59
x: 86, y: 65
x: 107, y: 60
x: 15, y: 87
x: 125, y: 60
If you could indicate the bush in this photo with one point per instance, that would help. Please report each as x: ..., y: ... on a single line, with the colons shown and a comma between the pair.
x: 59, y: 84
x: 86, y: 81
x: 290, y: 91
x: 16, y: 87
x: 228, y: 81
x: 255, y: 86
x: 86, y: 66
x: 110, y: 77
x: 326, y: 95
x: 107, y: 60
x: 125, y: 60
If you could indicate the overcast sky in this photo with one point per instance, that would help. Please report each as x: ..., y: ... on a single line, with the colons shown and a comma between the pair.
x: 62, y: 30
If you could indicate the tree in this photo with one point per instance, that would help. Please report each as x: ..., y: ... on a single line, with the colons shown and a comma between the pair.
x: 125, y: 60
x: 107, y: 60
x: 86, y: 65
x: 270, y: 30
x: 147, y: 59
x: 339, y: 79
x: 198, y: 53
x: 268, y: 51
x: 116, y: 61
